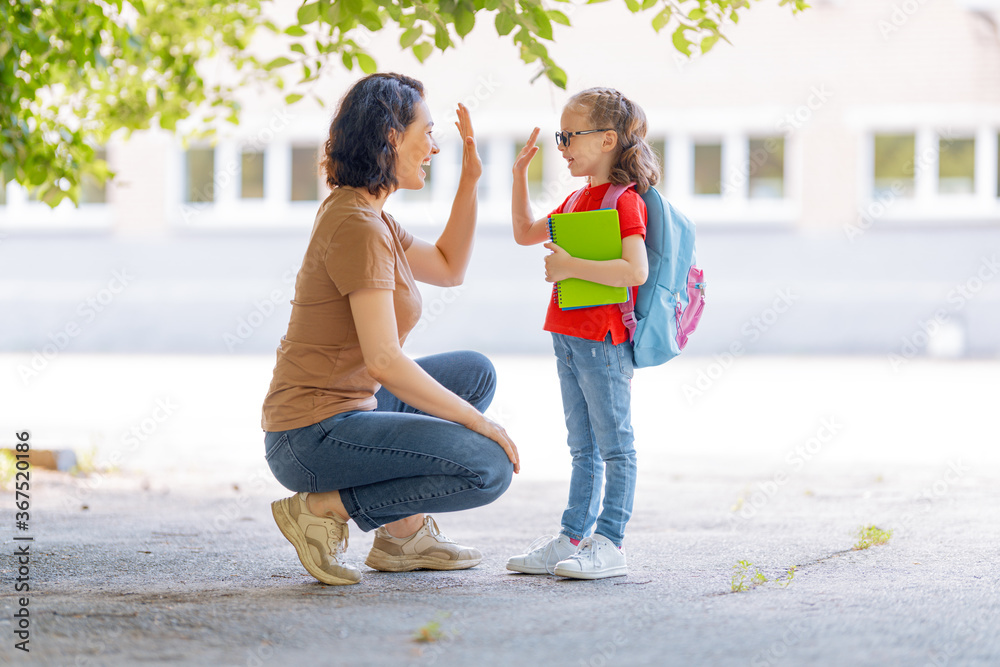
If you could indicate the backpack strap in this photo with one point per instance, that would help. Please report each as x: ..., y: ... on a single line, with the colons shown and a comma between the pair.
x: 627, y: 308
x: 573, y: 198
x: 614, y: 192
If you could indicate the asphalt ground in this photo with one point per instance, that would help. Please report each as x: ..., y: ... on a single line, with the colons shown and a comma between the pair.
x: 140, y: 568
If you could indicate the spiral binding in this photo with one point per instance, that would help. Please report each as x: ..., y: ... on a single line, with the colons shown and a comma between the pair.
x: 556, y: 294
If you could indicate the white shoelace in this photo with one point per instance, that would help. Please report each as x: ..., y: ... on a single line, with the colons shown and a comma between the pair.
x: 544, y: 543
x: 433, y: 529
x: 584, y: 549
x: 337, y: 547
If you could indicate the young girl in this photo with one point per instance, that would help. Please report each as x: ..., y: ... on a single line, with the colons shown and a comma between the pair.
x: 603, y: 138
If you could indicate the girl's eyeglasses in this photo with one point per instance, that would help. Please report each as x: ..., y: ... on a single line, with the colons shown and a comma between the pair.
x: 562, y: 138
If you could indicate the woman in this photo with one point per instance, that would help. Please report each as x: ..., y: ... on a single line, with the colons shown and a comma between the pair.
x: 382, y: 456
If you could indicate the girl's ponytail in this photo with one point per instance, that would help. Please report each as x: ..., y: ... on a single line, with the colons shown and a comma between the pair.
x: 636, y: 161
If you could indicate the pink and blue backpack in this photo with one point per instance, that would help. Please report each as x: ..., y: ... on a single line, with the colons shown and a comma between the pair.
x: 669, y: 304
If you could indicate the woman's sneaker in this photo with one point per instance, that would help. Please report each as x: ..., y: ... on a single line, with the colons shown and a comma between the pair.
x: 597, y: 558
x: 542, y: 556
x: 320, y: 541
x: 427, y: 549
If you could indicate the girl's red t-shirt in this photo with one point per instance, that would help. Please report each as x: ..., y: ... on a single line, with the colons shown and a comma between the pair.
x: 594, y: 323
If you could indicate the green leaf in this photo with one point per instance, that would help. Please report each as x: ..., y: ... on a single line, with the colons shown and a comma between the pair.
x: 464, y: 21
x: 648, y: 4
x: 558, y: 16
x: 347, y: 59
x: 371, y: 20
x: 696, y: 14
x: 557, y: 76
x: 633, y: 5
x: 662, y: 19
x: 280, y: 61
x: 295, y: 31
x: 367, y: 63
x: 298, y: 48
x: 410, y: 36
x: 330, y: 12
x: 504, y: 23
x: 442, y: 39
x: 293, y: 98
x: 708, y: 42
x: 423, y: 50
x: 681, y: 42
x: 544, y: 25
x: 308, y: 13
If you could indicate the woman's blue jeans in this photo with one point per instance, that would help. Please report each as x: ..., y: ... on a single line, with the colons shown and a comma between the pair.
x: 596, y: 381
x: 396, y: 461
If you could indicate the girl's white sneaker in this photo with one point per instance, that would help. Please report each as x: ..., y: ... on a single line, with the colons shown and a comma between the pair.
x: 542, y: 556
x: 597, y: 558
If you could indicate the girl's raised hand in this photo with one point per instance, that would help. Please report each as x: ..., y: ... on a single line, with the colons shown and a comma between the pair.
x: 528, y: 152
x: 472, y: 165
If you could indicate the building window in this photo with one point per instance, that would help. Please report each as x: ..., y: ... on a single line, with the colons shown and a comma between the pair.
x: 708, y: 169
x: 536, y: 169
x: 767, y: 168
x: 305, y: 171
x: 956, y: 166
x: 200, y: 175
x: 659, y: 147
x: 252, y: 174
x: 92, y: 192
x: 894, y: 160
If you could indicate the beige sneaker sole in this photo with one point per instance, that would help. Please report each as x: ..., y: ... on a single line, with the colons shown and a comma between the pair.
x: 380, y: 560
x: 291, y: 531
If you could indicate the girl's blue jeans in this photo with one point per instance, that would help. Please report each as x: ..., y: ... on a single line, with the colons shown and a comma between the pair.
x: 396, y: 461
x: 596, y: 381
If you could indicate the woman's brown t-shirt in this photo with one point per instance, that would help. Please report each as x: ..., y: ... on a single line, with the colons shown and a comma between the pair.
x: 320, y: 370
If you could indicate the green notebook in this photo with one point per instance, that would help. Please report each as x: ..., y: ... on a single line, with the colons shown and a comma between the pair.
x: 590, y: 235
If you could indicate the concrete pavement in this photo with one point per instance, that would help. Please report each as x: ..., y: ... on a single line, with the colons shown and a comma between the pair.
x: 133, y: 569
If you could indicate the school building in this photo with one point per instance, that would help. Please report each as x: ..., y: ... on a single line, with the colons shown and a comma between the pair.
x: 842, y: 165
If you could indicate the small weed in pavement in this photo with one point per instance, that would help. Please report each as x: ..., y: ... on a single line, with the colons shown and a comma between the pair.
x: 430, y: 632
x: 869, y: 536
x: 7, y: 468
x: 746, y: 576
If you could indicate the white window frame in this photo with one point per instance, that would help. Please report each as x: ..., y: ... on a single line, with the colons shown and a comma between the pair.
x: 928, y: 205
x: 734, y: 207
x: 273, y: 136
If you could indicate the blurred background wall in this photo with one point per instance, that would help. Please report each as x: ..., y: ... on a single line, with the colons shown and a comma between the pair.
x: 842, y: 165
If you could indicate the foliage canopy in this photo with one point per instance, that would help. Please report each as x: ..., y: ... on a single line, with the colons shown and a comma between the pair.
x: 73, y: 72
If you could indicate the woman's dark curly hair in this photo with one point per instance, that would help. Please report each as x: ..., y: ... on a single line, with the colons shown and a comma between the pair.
x: 358, y: 152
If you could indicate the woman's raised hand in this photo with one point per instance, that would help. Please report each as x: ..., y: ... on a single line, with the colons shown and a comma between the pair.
x: 528, y: 152
x: 472, y: 166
